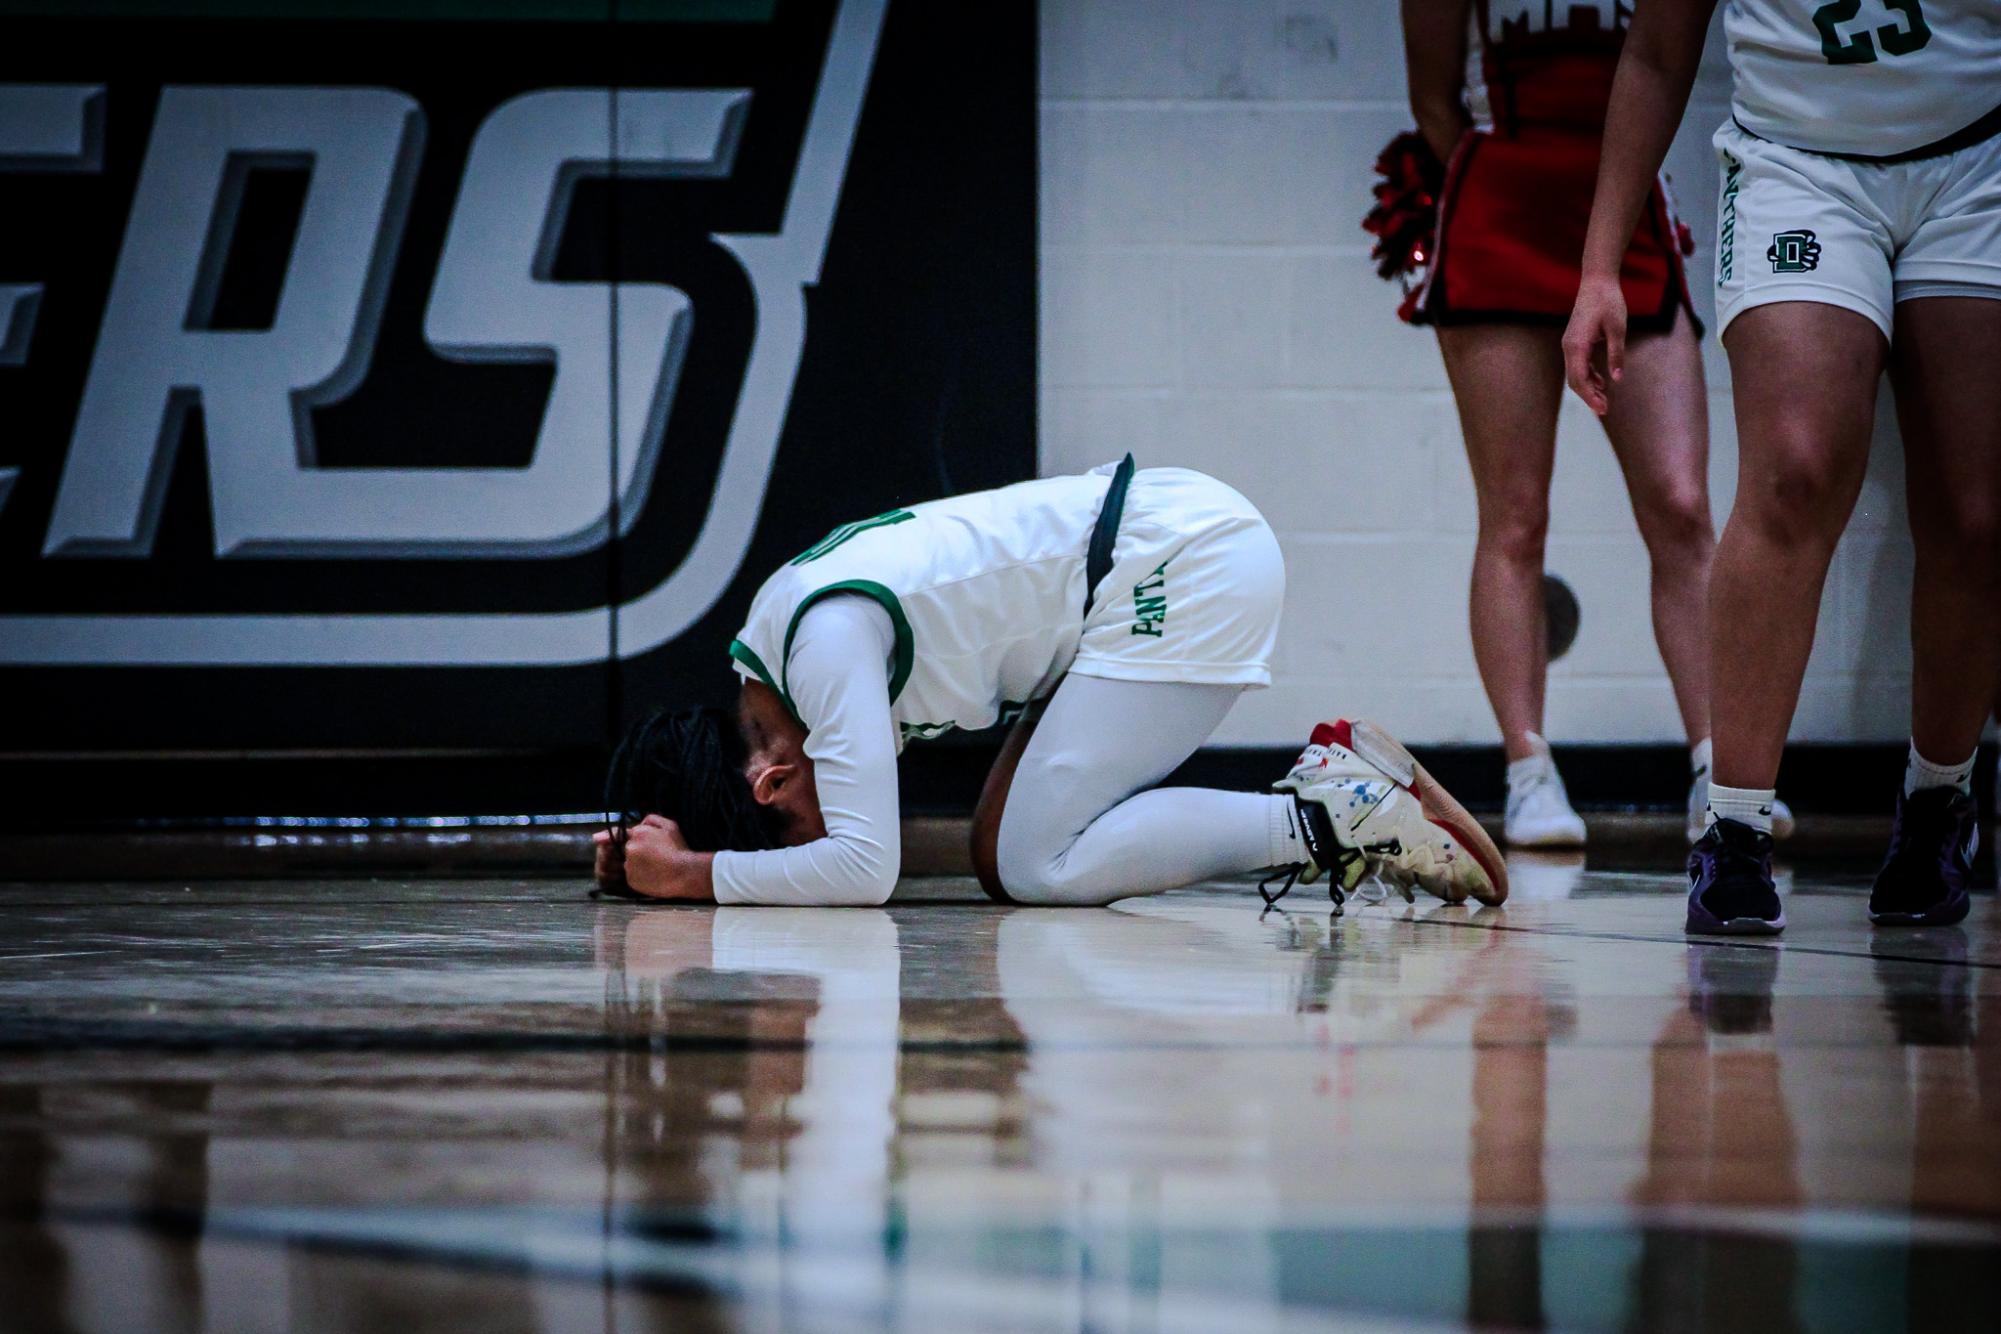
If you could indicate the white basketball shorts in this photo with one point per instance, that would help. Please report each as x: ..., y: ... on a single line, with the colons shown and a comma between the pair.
x: 1195, y: 588
x: 1800, y: 226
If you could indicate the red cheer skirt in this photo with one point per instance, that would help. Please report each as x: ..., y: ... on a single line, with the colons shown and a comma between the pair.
x: 1511, y: 229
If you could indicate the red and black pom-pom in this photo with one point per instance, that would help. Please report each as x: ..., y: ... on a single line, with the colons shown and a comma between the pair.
x: 1405, y: 218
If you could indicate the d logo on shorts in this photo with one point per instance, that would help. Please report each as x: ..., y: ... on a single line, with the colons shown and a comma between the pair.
x: 1794, y: 252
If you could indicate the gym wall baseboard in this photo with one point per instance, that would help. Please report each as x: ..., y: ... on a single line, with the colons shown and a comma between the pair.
x: 389, y: 789
x: 1821, y: 779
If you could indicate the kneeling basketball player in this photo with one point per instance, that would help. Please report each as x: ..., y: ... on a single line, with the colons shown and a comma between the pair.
x: 1118, y: 615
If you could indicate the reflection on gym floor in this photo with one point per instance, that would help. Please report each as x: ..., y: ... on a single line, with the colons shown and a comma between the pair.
x: 505, y: 1106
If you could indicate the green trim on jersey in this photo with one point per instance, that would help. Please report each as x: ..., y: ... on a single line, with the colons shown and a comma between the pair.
x: 846, y: 531
x: 904, y: 653
x: 747, y: 655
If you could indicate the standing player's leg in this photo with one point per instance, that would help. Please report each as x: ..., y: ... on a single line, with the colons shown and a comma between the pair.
x: 1804, y: 386
x: 1949, y: 409
x: 1659, y: 428
x: 1804, y: 390
x: 1508, y: 382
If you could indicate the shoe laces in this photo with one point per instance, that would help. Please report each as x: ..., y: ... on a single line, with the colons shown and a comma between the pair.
x: 1920, y: 834
x: 1738, y: 856
x: 1544, y: 786
x: 1347, y: 870
x: 1289, y: 876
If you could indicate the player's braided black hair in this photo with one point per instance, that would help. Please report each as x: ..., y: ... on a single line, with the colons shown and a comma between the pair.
x: 688, y: 766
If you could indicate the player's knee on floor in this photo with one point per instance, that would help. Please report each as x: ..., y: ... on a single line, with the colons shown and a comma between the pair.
x: 1033, y: 876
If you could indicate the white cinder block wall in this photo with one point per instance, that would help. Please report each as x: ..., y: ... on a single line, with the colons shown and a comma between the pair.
x: 1208, y: 301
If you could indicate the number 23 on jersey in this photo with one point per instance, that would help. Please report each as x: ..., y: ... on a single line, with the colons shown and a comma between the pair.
x: 1896, y: 39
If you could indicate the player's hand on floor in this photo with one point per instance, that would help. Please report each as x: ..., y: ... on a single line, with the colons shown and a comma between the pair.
x: 609, y: 866
x: 1598, y: 319
x: 658, y: 861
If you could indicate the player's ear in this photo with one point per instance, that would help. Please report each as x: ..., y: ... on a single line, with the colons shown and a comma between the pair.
x: 769, y: 782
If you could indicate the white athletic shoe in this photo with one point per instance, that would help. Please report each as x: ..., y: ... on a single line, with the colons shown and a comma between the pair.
x: 1698, y: 811
x: 1391, y: 818
x: 1539, y: 813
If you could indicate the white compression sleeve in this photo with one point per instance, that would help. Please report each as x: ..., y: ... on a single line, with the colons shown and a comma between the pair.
x: 1073, y: 832
x: 838, y: 673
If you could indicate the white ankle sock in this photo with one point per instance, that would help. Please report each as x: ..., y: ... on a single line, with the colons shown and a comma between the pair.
x: 1745, y: 805
x: 1530, y: 766
x: 1288, y: 845
x: 1698, y: 758
x: 1920, y: 773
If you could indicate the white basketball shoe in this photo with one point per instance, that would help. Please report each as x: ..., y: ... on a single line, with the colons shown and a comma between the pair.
x: 1539, y: 811
x: 1783, y: 823
x: 1385, y: 815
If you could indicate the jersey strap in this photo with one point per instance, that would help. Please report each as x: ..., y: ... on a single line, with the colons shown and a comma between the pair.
x: 1105, y: 535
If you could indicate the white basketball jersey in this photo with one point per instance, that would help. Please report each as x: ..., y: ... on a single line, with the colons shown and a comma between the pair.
x: 986, y: 592
x: 1868, y: 77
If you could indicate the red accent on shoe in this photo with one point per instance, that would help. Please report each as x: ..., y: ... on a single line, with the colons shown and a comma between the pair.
x: 1333, y: 734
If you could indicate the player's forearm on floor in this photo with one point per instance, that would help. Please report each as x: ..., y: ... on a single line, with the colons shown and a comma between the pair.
x: 838, y: 669
x: 834, y: 872
x: 1649, y: 93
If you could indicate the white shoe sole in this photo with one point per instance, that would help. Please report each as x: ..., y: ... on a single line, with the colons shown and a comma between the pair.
x: 1440, y: 807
